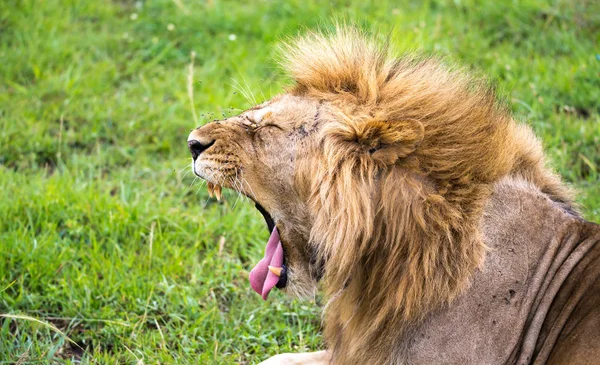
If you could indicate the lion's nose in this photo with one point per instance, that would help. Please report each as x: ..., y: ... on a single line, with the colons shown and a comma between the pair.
x: 196, y: 147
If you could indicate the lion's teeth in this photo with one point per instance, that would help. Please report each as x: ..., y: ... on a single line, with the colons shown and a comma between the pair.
x: 211, y: 189
x: 218, y: 192
x: 275, y: 270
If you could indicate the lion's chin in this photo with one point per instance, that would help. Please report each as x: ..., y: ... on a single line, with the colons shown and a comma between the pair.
x: 300, y: 285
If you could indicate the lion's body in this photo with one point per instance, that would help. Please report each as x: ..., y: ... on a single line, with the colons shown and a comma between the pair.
x: 405, y: 186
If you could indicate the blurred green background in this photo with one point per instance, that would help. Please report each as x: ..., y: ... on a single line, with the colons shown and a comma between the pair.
x: 107, y: 236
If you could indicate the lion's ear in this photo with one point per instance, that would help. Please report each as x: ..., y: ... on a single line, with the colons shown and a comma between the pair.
x: 384, y: 141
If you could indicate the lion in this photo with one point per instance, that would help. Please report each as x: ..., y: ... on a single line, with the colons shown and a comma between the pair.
x: 407, y: 192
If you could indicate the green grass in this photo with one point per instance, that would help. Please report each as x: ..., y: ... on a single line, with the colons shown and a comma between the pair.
x: 106, y: 235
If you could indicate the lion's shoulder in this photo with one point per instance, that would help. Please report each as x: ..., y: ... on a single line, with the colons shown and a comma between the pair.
x: 540, y: 277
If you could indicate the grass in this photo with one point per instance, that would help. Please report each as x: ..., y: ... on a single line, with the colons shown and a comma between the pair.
x: 105, y: 237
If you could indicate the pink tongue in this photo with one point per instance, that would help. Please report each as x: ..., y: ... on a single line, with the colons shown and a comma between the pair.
x: 261, y: 279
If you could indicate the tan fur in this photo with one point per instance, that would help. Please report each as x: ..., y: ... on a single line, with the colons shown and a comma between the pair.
x: 379, y: 167
x: 409, y: 158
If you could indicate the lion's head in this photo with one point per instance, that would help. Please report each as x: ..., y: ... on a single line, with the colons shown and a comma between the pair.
x: 256, y: 153
x: 372, y: 173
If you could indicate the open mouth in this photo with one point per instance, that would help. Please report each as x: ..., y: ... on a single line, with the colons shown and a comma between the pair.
x: 270, y: 271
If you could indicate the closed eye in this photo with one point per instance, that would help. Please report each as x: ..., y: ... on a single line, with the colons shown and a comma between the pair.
x: 268, y: 125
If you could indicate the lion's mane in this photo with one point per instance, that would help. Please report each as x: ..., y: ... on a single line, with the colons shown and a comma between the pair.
x: 407, y: 156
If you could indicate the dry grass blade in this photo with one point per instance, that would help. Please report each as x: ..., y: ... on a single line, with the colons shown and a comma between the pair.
x: 190, y: 85
x: 221, y: 245
x: 45, y: 324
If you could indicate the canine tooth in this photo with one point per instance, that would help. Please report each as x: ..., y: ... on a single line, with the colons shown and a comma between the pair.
x: 218, y: 192
x: 211, y: 189
x: 275, y: 270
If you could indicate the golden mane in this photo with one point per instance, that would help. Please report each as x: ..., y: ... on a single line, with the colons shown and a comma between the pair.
x: 408, y: 152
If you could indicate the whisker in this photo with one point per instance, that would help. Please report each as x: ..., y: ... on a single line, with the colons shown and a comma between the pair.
x: 210, y: 177
x: 187, y: 166
x: 261, y: 91
x: 254, y: 101
x: 239, y: 185
x: 244, y: 93
x: 238, y: 189
x: 185, y: 174
x: 250, y: 188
